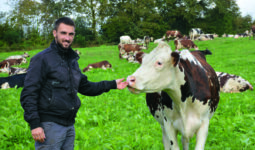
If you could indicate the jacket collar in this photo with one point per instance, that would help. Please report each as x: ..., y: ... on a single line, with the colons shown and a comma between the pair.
x: 69, y: 53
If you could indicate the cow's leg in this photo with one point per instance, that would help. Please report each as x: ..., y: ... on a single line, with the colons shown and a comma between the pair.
x: 185, y: 143
x: 202, y: 135
x: 170, y: 136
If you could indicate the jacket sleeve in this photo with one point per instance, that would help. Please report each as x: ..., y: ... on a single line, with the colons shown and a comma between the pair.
x: 30, y: 94
x: 95, y: 88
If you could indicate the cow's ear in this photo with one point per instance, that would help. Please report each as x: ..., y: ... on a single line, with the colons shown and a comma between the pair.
x: 175, y: 58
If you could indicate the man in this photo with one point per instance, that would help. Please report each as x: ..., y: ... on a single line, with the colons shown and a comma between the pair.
x: 49, y: 97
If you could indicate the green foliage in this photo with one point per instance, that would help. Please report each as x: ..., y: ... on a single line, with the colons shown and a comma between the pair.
x: 120, y: 120
x: 101, y: 21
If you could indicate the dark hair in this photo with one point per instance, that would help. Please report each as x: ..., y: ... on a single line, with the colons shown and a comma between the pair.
x: 65, y: 20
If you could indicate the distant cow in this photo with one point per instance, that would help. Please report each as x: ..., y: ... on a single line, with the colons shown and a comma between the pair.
x: 232, y: 83
x: 10, y: 62
x: 125, y: 39
x: 25, y: 55
x: 252, y: 32
x: 77, y: 52
x: 146, y: 41
x: 190, y: 97
x: 12, y: 81
x: 15, y: 70
x: 194, y: 33
x: 173, y: 34
x: 184, y: 43
x: 102, y: 64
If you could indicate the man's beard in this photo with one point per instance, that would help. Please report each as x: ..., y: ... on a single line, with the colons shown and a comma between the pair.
x: 61, y: 45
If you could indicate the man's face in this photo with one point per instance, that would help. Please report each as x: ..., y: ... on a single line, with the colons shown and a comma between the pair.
x: 64, y: 35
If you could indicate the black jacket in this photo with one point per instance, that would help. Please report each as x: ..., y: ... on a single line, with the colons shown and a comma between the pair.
x: 51, y: 85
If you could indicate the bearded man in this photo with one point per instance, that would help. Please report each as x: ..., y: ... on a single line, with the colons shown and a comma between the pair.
x: 49, y: 97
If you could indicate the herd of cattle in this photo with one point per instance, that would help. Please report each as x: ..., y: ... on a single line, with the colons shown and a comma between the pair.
x: 182, y: 89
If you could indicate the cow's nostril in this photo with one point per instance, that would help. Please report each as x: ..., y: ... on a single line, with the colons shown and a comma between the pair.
x: 131, y: 79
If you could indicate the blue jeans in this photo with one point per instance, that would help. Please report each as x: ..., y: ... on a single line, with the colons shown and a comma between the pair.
x: 58, y: 137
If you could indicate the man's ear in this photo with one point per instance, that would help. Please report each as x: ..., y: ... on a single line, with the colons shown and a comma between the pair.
x: 54, y: 33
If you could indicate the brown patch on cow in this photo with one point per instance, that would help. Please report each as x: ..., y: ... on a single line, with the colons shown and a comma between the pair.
x: 139, y: 57
x: 202, y: 83
x: 184, y: 43
x: 100, y: 64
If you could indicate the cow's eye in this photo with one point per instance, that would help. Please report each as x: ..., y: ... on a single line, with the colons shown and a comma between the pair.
x: 159, y: 63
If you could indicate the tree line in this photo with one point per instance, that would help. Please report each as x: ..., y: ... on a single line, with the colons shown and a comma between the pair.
x: 29, y: 25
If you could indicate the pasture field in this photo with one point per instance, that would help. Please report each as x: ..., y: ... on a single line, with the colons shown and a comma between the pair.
x: 119, y: 120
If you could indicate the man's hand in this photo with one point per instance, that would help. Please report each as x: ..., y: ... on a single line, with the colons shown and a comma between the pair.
x: 38, y: 134
x: 120, y: 84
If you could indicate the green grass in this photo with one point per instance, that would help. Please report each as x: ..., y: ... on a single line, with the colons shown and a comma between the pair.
x: 119, y: 120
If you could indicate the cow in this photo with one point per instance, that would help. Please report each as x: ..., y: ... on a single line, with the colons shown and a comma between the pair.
x: 15, y: 70
x: 184, y: 43
x: 252, y: 33
x: 25, y: 55
x: 102, y: 64
x: 13, y: 81
x: 191, y: 84
x: 195, y: 32
x: 230, y: 83
x: 173, y: 34
x: 10, y: 62
x: 128, y: 50
x: 77, y: 52
x: 125, y: 39
x: 146, y: 40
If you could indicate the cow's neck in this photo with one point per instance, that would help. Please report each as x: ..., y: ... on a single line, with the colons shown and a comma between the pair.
x: 175, y: 92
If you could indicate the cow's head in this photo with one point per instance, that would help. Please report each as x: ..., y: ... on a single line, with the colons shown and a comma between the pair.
x: 26, y: 54
x: 157, y: 71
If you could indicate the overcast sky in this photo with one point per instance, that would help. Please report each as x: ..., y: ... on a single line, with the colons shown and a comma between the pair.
x: 246, y: 7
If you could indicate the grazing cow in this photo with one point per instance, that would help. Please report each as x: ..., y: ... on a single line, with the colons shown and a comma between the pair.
x: 191, y: 93
x: 25, y: 55
x: 173, y: 34
x: 10, y: 62
x: 12, y: 81
x: 194, y: 33
x: 184, y: 43
x: 232, y: 83
x: 125, y: 39
x: 102, y: 64
x: 252, y: 33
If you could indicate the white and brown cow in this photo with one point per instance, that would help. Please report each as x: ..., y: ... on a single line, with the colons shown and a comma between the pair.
x: 184, y: 43
x: 173, y: 34
x: 128, y: 51
x: 191, y: 93
x: 230, y: 83
x: 25, y: 55
x: 10, y: 62
x: 102, y: 64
